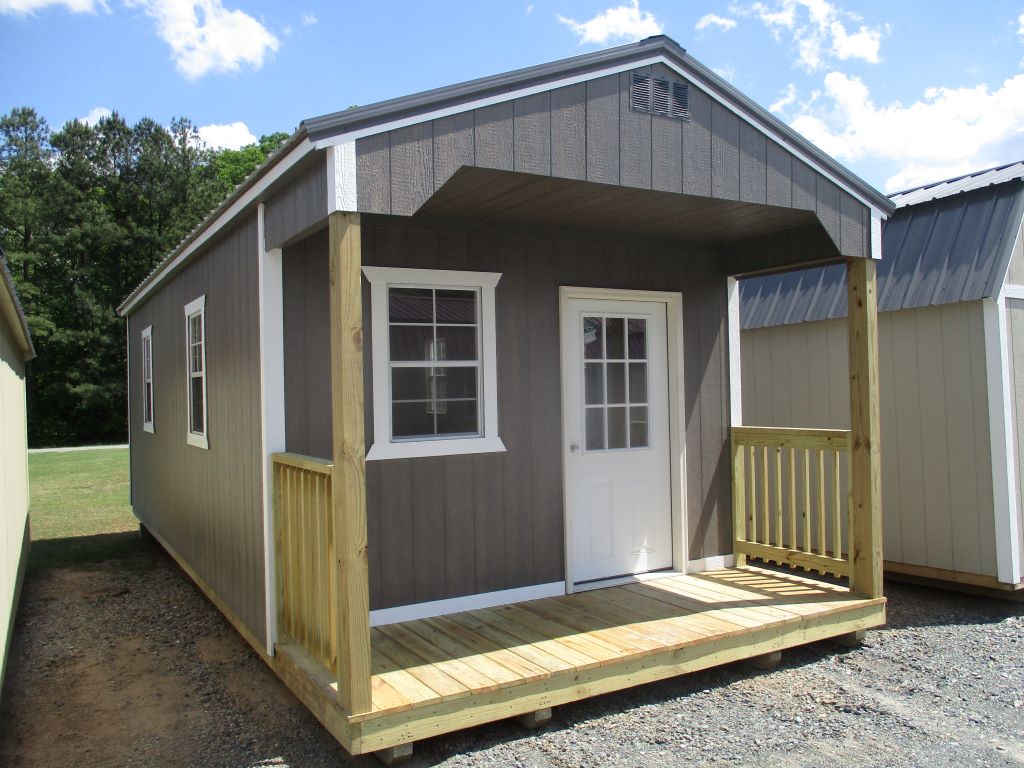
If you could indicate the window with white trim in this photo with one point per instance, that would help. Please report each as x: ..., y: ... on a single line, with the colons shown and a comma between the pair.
x: 195, y: 350
x: 434, y: 367
x: 147, y: 379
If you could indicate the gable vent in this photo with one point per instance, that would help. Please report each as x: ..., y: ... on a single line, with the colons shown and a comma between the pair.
x: 657, y: 96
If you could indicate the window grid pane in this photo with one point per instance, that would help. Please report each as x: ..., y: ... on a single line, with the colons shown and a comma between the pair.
x: 615, y: 382
x: 439, y: 326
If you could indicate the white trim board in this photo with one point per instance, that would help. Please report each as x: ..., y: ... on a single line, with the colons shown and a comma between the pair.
x: 735, y: 357
x: 468, y: 603
x: 214, y: 226
x: 199, y: 440
x: 342, y: 192
x: 148, y: 398
x: 1000, y: 413
x: 593, y: 75
x: 272, y: 405
x: 713, y: 563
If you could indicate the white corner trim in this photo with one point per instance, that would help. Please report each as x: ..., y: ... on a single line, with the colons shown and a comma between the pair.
x: 380, y: 279
x: 715, y: 563
x: 1000, y: 417
x: 254, y: 193
x: 1013, y: 291
x: 467, y: 603
x: 342, y: 194
x: 554, y: 84
x: 735, y: 358
x: 272, y: 405
x: 876, y: 234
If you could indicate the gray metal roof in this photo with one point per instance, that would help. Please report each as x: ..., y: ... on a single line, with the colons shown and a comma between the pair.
x: 964, y: 183
x: 954, y: 248
x: 7, y: 281
x: 360, y: 118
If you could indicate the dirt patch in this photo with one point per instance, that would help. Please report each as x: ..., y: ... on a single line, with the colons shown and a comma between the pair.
x: 125, y: 663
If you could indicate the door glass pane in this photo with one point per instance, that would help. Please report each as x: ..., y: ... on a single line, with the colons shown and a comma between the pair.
x: 593, y: 338
x: 593, y: 377
x: 616, y: 382
x: 638, y: 382
x: 595, y: 429
x: 456, y: 306
x: 637, y: 339
x: 638, y: 427
x: 616, y: 428
x: 616, y: 342
x: 456, y: 342
x: 411, y: 305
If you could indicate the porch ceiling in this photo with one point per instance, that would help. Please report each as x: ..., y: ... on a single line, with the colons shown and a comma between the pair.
x: 507, y: 197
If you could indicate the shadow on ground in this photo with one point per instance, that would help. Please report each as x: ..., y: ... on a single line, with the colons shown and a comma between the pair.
x: 76, y: 551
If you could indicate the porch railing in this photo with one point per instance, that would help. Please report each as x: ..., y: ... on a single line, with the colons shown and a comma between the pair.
x: 305, y: 562
x: 791, y: 497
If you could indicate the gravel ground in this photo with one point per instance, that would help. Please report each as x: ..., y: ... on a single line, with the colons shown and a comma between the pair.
x: 126, y: 664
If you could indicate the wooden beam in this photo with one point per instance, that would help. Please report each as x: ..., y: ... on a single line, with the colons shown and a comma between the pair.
x: 865, y: 529
x: 348, y: 476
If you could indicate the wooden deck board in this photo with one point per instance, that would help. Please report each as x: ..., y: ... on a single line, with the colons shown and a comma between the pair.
x: 438, y: 675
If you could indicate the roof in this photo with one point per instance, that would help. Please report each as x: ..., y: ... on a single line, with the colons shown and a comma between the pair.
x: 10, y: 306
x: 318, y: 132
x: 965, y: 183
x: 955, y: 247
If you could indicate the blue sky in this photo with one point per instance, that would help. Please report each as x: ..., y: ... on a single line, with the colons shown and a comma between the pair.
x: 902, y: 92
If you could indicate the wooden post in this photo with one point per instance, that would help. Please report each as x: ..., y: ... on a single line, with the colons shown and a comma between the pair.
x: 348, y: 477
x: 865, y: 529
x: 739, y: 497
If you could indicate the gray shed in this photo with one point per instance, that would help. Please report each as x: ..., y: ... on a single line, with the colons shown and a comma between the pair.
x: 951, y: 346
x: 439, y: 400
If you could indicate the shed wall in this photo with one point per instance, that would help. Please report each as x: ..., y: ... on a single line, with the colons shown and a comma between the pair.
x: 452, y: 526
x: 13, y: 484
x: 300, y: 204
x: 587, y: 131
x: 936, y: 456
x: 206, y: 503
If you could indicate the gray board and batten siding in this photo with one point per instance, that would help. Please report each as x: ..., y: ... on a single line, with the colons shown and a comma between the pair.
x: 459, y: 525
x: 206, y: 504
x: 587, y: 132
x: 299, y: 206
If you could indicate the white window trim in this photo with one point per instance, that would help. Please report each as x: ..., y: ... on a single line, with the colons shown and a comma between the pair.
x: 150, y: 397
x: 199, y: 440
x: 380, y: 278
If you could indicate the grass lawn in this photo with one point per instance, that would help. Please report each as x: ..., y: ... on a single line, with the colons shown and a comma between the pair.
x: 79, y: 508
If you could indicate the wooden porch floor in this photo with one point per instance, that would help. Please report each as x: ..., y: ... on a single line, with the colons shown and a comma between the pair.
x: 443, y: 674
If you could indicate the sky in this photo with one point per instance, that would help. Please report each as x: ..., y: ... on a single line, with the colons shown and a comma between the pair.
x: 903, y: 93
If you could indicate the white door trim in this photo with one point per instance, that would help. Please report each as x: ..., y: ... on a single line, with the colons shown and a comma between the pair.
x: 676, y: 407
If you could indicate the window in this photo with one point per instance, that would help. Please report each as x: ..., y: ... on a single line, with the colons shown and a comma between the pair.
x: 147, y: 379
x: 615, y: 382
x: 195, y: 347
x: 435, y: 387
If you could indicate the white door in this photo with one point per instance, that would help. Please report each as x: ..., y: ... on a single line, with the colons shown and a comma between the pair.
x: 615, y: 396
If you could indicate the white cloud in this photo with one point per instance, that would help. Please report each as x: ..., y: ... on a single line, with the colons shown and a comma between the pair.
x: 95, y: 115
x: 529, y: 10
x: 227, y: 136
x: 818, y: 28
x: 1020, y: 29
x: 726, y: 73
x: 308, y: 19
x: 948, y: 131
x: 714, y: 20
x: 29, y: 7
x: 624, y: 23
x: 205, y: 37
x: 788, y: 98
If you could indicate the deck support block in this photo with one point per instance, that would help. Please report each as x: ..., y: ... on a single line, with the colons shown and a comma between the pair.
x: 865, y: 528
x: 766, y: 661
x: 395, y: 755
x: 536, y: 719
x: 851, y: 639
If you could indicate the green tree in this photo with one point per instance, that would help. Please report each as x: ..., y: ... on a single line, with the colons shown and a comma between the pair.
x: 235, y: 165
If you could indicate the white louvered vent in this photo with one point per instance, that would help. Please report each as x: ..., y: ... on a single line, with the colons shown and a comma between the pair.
x: 656, y: 96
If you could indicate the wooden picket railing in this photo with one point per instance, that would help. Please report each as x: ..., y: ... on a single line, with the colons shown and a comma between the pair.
x: 304, y: 548
x: 791, y: 497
